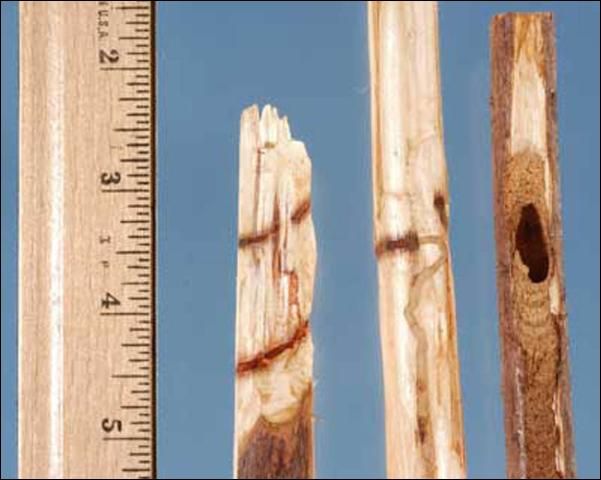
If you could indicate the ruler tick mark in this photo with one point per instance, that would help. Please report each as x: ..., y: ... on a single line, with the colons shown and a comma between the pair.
x: 133, y: 7
x: 132, y: 129
x: 133, y: 160
x: 121, y: 68
x: 128, y: 439
x: 122, y: 314
x: 124, y: 190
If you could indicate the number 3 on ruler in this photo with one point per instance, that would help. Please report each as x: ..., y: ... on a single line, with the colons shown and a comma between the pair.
x: 108, y: 178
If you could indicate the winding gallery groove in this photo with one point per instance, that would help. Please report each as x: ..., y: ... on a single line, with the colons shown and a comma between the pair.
x: 276, y: 269
x: 533, y: 320
x: 424, y: 426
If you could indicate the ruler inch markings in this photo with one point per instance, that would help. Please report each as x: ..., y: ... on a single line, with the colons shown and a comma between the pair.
x: 79, y: 155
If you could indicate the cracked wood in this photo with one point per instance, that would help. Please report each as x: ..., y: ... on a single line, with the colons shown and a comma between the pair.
x: 276, y: 269
x: 424, y: 424
x: 532, y: 315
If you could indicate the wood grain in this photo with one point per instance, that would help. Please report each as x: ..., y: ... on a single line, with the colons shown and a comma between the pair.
x: 276, y: 268
x: 73, y: 349
x: 533, y: 319
x: 424, y: 424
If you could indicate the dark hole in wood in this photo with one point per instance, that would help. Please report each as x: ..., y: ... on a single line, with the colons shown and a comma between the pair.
x: 530, y: 242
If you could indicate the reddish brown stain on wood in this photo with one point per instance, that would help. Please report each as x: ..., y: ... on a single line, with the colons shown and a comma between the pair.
x: 407, y: 243
x: 440, y: 205
x: 259, y: 237
x: 292, y: 288
x: 282, y: 450
x: 301, y: 211
x: 299, y: 214
x: 263, y: 359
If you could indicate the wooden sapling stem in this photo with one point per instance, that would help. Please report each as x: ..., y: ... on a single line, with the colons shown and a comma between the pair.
x: 276, y: 269
x: 533, y: 320
x: 424, y: 425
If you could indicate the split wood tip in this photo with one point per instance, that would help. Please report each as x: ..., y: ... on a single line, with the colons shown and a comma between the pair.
x: 276, y: 269
x: 272, y: 128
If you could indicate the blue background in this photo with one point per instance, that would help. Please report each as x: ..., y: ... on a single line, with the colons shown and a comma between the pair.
x: 310, y: 60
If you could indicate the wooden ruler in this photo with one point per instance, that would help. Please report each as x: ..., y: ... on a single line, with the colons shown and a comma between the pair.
x: 87, y: 240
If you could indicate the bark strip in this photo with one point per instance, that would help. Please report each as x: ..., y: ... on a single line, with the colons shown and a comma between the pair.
x: 424, y: 424
x: 283, y: 450
x: 276, y: 269
x: 533, y: 320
